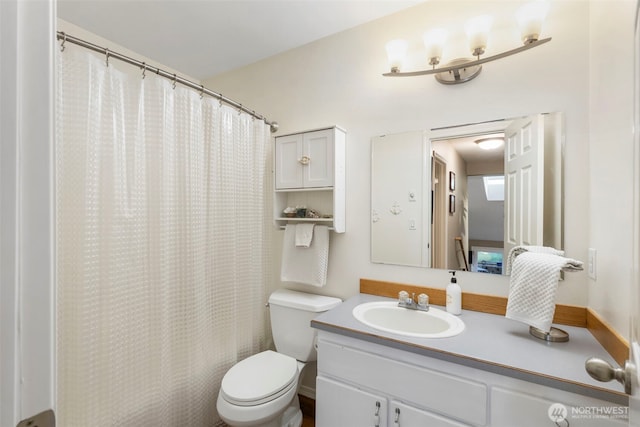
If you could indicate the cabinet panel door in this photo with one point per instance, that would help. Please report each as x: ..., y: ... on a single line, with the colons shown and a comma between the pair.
x: 512, y: 408
x: 426, y: 388
x: 340, y: 405
x: 288, y: 169
x: 318, y: 147
x: 401, y: 415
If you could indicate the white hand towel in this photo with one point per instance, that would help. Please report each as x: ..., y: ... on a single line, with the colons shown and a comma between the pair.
x: 304, y: 235
x: 517, y: 250
x: 305, y: 265
x: 533, y: 286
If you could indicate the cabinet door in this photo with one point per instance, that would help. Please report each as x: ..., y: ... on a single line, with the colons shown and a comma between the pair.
x: 340, y: 405
x: 288, y: 166
x: 401, y: 415
x: 318, y: 147
x: 513, y: 408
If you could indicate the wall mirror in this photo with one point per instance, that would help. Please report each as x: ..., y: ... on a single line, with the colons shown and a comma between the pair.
x: 444, y: 198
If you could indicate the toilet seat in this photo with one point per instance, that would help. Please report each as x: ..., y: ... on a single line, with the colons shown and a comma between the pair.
x: 260, y: 378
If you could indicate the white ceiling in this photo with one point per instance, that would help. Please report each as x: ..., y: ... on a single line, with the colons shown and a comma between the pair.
x: 202, y: 38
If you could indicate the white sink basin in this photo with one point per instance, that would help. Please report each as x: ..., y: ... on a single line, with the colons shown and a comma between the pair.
x: 388, y: 317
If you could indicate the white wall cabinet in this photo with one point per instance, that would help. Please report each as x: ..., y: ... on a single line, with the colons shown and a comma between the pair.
x: 305, y: 160
x: 309, y: 170
x: 413, y: 390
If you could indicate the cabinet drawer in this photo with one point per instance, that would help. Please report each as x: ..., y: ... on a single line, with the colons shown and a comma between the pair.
x: 510, y: 407
x: 426, y: 388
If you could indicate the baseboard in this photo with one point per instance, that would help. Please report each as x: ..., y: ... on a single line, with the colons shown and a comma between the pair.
x: 615, y: 344
x: 307, y: 391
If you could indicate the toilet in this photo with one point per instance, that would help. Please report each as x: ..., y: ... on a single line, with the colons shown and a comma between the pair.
x: 262, y: 390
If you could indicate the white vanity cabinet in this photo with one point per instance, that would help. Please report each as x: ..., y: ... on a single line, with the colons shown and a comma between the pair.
x: 309, y: 170
x: 345, y: 405
x: 356, y: 379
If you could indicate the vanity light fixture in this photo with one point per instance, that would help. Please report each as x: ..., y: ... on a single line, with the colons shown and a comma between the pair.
x: 490, y: 143
x: 530, y: 18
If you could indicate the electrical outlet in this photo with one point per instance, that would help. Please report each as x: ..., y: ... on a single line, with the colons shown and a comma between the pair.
x: 592, y: 264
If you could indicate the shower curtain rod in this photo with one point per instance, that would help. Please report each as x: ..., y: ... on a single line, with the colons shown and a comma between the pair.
x: 61, y: 35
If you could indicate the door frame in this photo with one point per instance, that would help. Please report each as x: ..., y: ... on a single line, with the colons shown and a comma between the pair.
x: 439, y: 212
x: 634, y: 332
x: 27, y: 244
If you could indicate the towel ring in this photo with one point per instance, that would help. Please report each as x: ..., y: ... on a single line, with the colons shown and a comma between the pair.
x: 554, y: 335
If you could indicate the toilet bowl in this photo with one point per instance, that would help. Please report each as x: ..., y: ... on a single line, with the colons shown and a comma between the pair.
x: 262, y: 390
x: 258, y: 390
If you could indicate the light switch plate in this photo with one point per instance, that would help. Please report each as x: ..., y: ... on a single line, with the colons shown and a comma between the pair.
x: 592, y: 265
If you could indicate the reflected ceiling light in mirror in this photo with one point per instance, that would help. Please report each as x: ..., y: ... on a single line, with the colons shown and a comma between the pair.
x: 490, y: 143
x: 530, y: 18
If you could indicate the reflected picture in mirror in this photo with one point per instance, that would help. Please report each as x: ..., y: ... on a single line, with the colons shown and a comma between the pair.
x: 486, y: 188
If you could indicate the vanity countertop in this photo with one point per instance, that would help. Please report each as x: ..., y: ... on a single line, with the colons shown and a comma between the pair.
x: 492, y: 343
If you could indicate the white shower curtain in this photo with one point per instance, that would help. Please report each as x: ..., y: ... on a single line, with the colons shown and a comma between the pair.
x: 162, y: 245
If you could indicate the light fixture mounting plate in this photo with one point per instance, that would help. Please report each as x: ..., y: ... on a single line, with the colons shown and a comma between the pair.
x: 459, y: 75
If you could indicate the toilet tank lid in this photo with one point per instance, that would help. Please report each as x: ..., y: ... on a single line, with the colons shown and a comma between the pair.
x: 303, y: 301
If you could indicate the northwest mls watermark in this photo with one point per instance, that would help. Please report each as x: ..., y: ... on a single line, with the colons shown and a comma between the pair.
x: 560, y: 413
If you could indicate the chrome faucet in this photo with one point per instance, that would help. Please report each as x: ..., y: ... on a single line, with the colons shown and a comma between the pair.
x: 406, y: 301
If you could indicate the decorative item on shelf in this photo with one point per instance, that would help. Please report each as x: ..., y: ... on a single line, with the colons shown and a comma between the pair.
x: 312, y: 213
x: 301, y: 212
x: 289, y: 212
x: 530, y: 18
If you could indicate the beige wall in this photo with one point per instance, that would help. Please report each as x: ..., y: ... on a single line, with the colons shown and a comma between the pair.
x: 337, y: 80
x: 610, y: 160
x: 585, y: 72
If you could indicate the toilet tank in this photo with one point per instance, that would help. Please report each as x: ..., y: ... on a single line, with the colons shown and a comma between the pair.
x: 291, y: 314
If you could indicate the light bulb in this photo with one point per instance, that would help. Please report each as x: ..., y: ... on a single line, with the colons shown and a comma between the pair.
x: 434, y: 42
x: 396, y: 52
x: 478, y: 33
x: 530, y: 18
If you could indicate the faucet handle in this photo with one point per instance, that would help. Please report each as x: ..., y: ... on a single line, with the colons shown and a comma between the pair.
x: 423, y: 300
x: 402, y: 297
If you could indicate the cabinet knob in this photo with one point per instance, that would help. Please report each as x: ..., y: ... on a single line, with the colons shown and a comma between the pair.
x: 396, y: 421
x: 602, y: 370
x: 304, y: 160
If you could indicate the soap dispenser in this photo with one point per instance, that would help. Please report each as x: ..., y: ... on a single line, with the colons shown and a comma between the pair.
x: 454, y: 295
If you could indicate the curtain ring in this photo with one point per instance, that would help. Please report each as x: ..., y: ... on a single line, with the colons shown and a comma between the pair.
x: 144, y: 70
x: 174, y: 82
x: 201, y: 91
x: 64, y: 40
x: 107, y: 53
